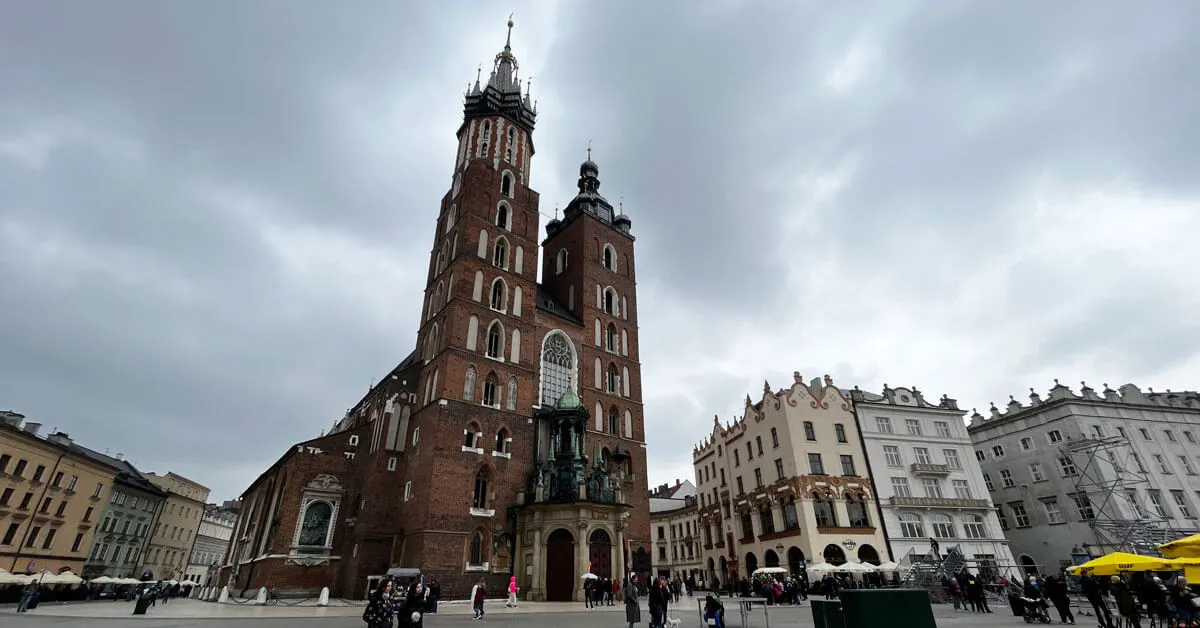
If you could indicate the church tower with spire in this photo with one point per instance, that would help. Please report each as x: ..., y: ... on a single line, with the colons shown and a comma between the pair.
x: 511, y: 441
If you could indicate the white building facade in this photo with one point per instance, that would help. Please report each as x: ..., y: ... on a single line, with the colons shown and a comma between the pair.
x: 1080, y: 475
x: 212, y: 542
x: 930, y: 487
x: 675, y: 532
x: 786, y: 484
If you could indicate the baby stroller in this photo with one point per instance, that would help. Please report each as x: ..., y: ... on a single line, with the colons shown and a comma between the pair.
x: 1035, y: 610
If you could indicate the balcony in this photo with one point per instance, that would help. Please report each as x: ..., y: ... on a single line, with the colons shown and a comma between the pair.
x: 925, y: 468
x: 938, y: 502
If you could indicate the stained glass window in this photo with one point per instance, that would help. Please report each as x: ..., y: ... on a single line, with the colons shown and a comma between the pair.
x: 558, y: 366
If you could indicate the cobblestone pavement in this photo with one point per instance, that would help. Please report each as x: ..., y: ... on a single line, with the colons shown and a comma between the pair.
x: 193, y: 614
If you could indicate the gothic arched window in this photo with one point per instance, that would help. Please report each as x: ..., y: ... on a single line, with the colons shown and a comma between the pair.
x: 610, y: 257
x: 314, y: 528
x: 480, y: 497
x: 491, y: 391
x: 485, y: 138
x: 512, y: 393
x: 560, y: 261
x: 476, y: 551
x: 506, y: 186
x: 512, y: 142
x: 495, y: 340
x: 500, y: 255
x: 558, y: 367
x: 610, y: 338
x: 499, y: 299
x: 502, y: 441
x: 614, y: 421
x: 614, y: 379
x: 610, y: 302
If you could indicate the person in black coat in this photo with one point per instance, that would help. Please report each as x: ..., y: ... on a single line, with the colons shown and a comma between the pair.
x: 633, y: 612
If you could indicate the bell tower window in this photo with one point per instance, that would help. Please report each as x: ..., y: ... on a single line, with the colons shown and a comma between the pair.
x: 491, y: 391
x: 610, y: 257
x: 560, y: 261
x: 485, y: 138
x: 499, y: 298
x: 558, y: 367
x: 610, y: 338
x: 504, y: 216
x: 512, y: 141
x: 495, y: 341
x: 500, y: 254
x: 610, y: 302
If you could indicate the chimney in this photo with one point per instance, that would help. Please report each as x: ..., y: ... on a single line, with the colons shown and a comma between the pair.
x: 32, y: 427
x: 119, y: 456
x: 678, y: 482
x: 60, y: 438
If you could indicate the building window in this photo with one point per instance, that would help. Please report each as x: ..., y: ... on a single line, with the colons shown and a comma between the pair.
x: 1002, y: 518
x: 766, y: 519
x: 747, y: 526
x: 495, y: 341
x: 1162, y: 464
x: 614, y: 421
x: 469, y: 384
x: 943, y: 428
x: 892, y: 454
x: 485, y: 137
x: 823, y: 511
x: 611, y: 341
x: 1137, y: 460
x: 1035, y: 471
x: 740, y: 488
x: 1006, y: 478
x: 1170, y: 435
x: 491, y: 391
x: 922, y: 455
x: 1156, y: 501
x: 809, y: 432
x: 1084, y: 506
x: 943, y: 526
x: 1067, y: 467
x: 475, y: 556
x: 499, y: 298
x: 610, y: 302
x: 560, y: 261
x: 749, y: 451
x: 314, y: 528
x: 998, y: 451
x: 840, y: 431
x: 479, y: 499
x: 1054, y: 436
x: 933, y: 488
x: 952, y: 460
x: 737, y: 461
x: 962, y: 489
x: 856, y: 510
x: 900, y: 487
x: 974, y: 527
x: 506, y: 184
x: 500, y: 253
x: 610, y: 257
x: 1053, y: 512
x: 758, y: 478
x: 1187, y: 465
x: 987, y: 483
x: 980, y: 456
x: 1145, y: 433
x: 1019, y: 514
x: 883, y: 424
x: 558, y: 367
x: 1189, y: 437
x: 911, y: 527
x: 1181, y: 502
x: 848, y: 465
x: 913, y: 426
x: 1026, y: 444
x: 758, y: 442
x: 778, y: 470
x: 814, y: 464
x: 613, y: 381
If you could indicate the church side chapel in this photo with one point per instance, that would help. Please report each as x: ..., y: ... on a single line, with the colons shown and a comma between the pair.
x: 511, y: 441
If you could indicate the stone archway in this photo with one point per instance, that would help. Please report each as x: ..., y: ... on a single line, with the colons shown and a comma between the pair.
x: 1028, y: 565
x: 600, y: 553
x: 724, y: 570
x: 560, y: 566
x: 868, y: 554
x: 795, y: 557
x: 834, y: 555
x: 712, y: 569
x: 771, y: 559
x: 751, y: 563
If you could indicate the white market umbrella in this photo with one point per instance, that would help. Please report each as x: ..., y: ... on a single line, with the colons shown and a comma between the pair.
x: 821, y: 567
x: 769, y: 570
x: 849, y: 567
x: 103, y: 580
x: 10, y: 578
x: 66, y: 577
x: 128, y: 581
x: 888, y: 566
x: 589, y: 576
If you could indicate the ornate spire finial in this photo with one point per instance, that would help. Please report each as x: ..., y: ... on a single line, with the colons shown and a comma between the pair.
x: 508, y: 40
x: 589, y: 149
x: 556, y: 212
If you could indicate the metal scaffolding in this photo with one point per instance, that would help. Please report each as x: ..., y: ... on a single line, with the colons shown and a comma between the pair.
x: 1108, y: 478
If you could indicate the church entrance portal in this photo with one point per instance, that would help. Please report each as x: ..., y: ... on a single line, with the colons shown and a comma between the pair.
x: 600, y: 554
x: 560, y: 566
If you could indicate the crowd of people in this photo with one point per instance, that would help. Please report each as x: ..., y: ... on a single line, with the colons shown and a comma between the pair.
x: 1136, y: 596
x: 407, y: 604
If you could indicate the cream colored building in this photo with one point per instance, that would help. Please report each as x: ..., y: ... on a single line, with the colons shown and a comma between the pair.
x: 50, y: 499
x: 787, y: 484
x: 675, y: 532
x: 170, y: 548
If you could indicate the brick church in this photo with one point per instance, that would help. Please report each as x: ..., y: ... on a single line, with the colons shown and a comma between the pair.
x: 511, y: 441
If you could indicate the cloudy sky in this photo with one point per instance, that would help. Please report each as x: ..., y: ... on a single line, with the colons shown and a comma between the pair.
x: 215, y: 216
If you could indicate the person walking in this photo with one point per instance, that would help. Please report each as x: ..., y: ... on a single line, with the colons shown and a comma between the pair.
x: 378, y: 613
x: 1091, y: 590
x: 1056, y: 592
x: 633, y: 612
x: 27, y: 594
x: 512, y: 592
x: 478, y: 592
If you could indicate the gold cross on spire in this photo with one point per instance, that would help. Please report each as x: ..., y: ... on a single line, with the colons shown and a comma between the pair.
x: 589, y: 149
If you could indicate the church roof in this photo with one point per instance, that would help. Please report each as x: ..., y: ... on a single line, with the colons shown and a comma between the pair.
x: 547, y: 303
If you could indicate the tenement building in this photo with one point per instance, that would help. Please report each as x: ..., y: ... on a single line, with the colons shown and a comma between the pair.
x: 676, y: 553
x: 170, y: 545
x: 929, y: 485
x: 212, y: 542
x: 51, y: 497
x: 125, y: 521
x: 787, y: 484
x: 1076, y: 476
x: 511, y: 442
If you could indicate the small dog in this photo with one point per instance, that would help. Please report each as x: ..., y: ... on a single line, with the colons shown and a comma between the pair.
x: 673, y: 622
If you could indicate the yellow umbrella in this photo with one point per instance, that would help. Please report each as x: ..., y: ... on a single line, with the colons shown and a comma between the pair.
x: 1187, y: 547
x: 1119, y: 562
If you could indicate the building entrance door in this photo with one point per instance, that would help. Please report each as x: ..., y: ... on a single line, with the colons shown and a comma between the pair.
x: 560, y: 566
x: 600, y: 553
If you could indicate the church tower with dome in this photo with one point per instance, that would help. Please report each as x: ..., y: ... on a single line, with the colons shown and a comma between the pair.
x: 511, y: 441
